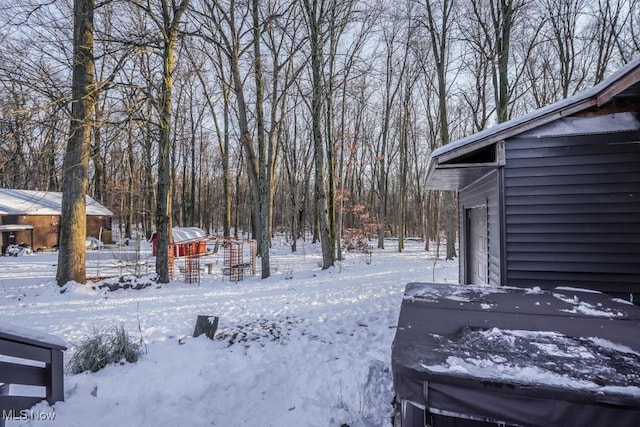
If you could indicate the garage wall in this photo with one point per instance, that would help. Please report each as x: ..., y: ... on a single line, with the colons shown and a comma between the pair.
x: 482, y: 193
x: 572, y: 211
x: 45, y: 229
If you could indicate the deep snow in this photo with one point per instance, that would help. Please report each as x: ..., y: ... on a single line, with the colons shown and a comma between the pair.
x: 313, y: 350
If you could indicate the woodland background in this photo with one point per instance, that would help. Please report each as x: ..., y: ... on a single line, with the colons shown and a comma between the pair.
x: 304, y: 117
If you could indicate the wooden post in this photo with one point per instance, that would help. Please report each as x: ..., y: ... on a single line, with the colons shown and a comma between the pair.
x: 55, y: 384
x: 206, y: 325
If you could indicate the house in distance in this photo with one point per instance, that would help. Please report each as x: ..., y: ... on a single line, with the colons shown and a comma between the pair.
x: 552, y: 198
x: 33, y: 217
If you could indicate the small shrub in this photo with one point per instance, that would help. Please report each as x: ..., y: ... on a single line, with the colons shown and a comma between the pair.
x: 102, y: 348
x: 354, y: 240
x: 92, y: 355
x: 123, y: 347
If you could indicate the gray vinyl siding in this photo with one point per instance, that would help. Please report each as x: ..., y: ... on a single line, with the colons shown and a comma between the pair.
x: 483, y: 192
x: 572, y: 211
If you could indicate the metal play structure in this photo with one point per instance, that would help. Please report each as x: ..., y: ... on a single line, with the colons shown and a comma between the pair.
x: 239, y: 258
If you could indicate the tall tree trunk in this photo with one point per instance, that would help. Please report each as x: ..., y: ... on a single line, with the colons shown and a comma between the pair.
x: 330, y: 137
x: 222, y: 135
x: 264, y: 194
x: 52, y: 181
x: 98, y: 161
x: 390, y: 92
x: 404, y: 166
x: 130, y: 186
x: 503, y: 41
x: 98, y: 164
x: 226, y: 170
x: 440, y: 45
x: 194, y: 166
x: 163, y: 205
x: 73, y: 221
x: 314, y: 13
x: 148, y: 178
x: 163, y: 202
x: 247, y: 142
x: 237, y: 216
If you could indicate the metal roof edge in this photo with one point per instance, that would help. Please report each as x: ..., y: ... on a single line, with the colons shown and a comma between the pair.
x: 99, y: 206
x: 516, y: 129
x: 568, y: 106
x: 431, y: 169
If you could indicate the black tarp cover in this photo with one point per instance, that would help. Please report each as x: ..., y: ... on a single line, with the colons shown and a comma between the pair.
x: 566, y: 357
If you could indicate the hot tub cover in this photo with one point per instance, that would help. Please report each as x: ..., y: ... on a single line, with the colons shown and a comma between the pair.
x: 565, y: 357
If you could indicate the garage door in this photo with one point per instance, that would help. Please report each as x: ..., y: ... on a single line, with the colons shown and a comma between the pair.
x: 477, y: 246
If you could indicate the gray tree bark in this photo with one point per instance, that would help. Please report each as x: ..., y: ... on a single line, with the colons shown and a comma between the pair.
x: 163, y: 207
x: 73, y: 220
x: 314, y: 15
x: 439, y: 35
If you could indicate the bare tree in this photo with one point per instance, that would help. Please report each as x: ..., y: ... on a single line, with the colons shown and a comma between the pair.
x: 73, y: 219
x: 439, y: 25
x: 396, y: 36
x: 607, y: 17
x: 339, y: 16
x: 489, y: 29
x: 563, y: 18
x: 315, y: 14
x: 407, y: 117
x: 354, y: 67
x: 297, y: 163
x: 167, y: 20
x: 225, y: 26
x: 549, y: 78
x: 35, y: 82
x: 286, y: 79
x: 628, y: 44
x: 220, y: 27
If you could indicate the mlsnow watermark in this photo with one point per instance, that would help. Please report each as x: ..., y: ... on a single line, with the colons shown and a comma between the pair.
x: 27, y: 415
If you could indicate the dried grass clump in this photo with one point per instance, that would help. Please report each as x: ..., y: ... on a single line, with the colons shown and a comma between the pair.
x: 104, y: 347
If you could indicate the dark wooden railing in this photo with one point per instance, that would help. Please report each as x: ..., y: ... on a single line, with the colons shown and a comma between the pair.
x: 34, y: 360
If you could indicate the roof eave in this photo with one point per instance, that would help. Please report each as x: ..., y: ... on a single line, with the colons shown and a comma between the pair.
x: 518, y: 129
x: 597, y: 96
x: 436, y: 162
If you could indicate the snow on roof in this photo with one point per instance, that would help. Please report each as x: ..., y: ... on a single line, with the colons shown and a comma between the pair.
x: 27, y: 202
x: 16, y: 227
x: 182, y: 234
x: 541, y: 115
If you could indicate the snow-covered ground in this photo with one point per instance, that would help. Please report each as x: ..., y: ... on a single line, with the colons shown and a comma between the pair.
x: 310, y: 350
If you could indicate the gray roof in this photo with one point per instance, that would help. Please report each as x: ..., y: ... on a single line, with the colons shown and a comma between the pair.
x: 15, y: 227
x: 624, y: 82
x: 27, y: 202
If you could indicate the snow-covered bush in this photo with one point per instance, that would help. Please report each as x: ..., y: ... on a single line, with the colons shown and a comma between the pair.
x: 104, y: 347
x: 354, y: 240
